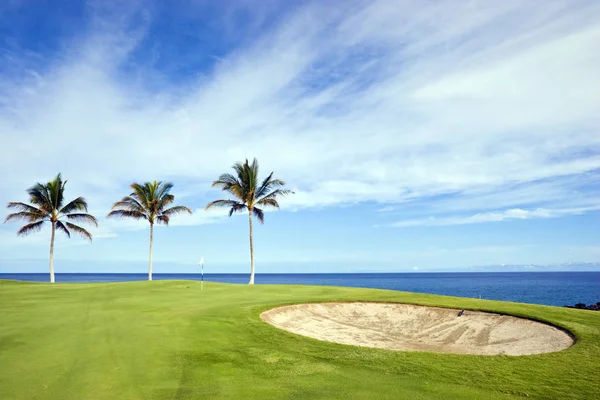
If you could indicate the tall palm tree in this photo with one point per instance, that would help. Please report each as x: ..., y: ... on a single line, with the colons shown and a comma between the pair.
x: 148, y: 201
x: 48, y: 206
x: 248, y: 194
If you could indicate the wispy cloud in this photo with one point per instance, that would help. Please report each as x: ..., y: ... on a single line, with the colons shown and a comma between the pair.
x: 379, y: 101
x: 498, y: 216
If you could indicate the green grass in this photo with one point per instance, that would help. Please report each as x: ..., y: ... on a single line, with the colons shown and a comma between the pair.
x: 169, y: 340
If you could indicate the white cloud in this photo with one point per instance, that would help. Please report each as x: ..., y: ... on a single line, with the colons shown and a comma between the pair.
x: 378, y: 102
x: 498, y: 216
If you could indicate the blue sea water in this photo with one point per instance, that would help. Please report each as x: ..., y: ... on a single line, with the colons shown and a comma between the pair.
x: 549, y: 288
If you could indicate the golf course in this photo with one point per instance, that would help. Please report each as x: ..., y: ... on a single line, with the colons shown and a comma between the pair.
x: 171, y: 340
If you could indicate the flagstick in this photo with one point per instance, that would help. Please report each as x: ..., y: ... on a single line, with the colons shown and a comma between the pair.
x: 201, y: 263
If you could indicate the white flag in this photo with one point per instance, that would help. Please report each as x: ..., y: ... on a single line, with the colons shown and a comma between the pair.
x: 201, y: 261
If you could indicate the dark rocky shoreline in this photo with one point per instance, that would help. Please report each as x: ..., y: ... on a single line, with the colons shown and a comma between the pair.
x: 593, y: 307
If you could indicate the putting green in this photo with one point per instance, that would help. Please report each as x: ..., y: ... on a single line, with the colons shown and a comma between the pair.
x: 169, y: 340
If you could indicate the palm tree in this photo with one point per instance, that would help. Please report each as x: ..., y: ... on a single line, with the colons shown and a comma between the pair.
x: 149, y: 202
x: 249, y: 194
x: 47, y: 206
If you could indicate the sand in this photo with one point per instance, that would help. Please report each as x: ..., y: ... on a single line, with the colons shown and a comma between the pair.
x: 418, y: 328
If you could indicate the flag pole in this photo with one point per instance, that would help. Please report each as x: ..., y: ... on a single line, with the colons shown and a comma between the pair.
x: 202, y: 275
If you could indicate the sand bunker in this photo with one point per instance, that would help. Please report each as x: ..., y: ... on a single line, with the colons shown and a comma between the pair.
x: 418, y: 328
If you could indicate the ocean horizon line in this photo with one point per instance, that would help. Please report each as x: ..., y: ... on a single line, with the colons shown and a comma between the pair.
x: 306, y: 273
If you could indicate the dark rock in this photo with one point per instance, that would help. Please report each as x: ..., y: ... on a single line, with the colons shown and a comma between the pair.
x: 582, y: 306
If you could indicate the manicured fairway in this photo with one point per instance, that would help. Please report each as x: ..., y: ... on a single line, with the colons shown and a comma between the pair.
x: 169, y: 340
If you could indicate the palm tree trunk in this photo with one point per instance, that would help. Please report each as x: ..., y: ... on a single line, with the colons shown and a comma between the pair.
x: 251, y: 250
x: 150, y: 260
x: 52, y: 253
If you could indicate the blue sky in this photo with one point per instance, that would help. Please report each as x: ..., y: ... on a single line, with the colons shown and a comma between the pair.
x: 417, y: 136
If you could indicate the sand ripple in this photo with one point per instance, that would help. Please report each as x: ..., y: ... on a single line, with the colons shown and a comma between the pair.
x: 418, y: 328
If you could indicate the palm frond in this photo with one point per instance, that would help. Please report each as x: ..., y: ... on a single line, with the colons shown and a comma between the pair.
x: 253, y: 176
x: 231, y: 184
x: 268, y: 203
x: 24, y: 207
x: 56, y: 190
x: 268, y: 186
x: 226, y: 179
x: 151, y: 189
x: 25, y: 216
x: 80, y: 231
x: 243, y: 172
x: 176, y: 210
x: 61, y: 227
x: 164, y: 190
x: 164, y: 201
x: 244, y: 185
x: 79, y: 204
x: 129, y: 203
x: 237, y: 191
x: 223, y: 203
x: 148, y: 201
x: 259, y: 214
x: 237, y: 208
x: 127, y: 214
x: 263, y: 185
x: 239, y: 169
x: 277, y: 192
x: 81, y: 217
x: 129, y: 207
x: 141, y: 194
x: 38, y: 195
x: 30, y: 228
x: 47, y: 205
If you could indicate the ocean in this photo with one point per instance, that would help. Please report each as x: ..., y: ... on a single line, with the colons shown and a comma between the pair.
x: 549, y: 288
